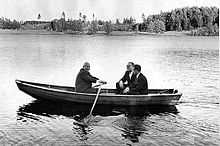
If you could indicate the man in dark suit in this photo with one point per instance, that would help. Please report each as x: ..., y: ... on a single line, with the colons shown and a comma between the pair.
x: 84, y: 80
x: 127, y: 79
x: 140, y: 85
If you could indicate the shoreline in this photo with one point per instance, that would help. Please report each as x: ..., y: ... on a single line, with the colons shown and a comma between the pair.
x: 100, y: 33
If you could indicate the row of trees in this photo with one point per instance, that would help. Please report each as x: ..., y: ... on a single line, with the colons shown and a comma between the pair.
x: 93, y: 26
x: 203, y: 20
x: 9, y: 24
x: 182, y: 19
x: 81, y: 24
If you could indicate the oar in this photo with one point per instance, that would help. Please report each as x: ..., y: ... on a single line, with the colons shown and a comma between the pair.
x: 96, y: 98
x: 88, y: 118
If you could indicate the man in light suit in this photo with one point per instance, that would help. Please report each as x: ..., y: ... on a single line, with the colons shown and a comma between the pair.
x: 127, y: 79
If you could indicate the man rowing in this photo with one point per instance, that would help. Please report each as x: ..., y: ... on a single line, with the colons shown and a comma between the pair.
x: 84, y: 80
x: 127, y: 79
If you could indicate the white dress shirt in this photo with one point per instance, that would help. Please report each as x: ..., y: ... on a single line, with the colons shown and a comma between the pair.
x: 130, y: 74
x: 137, y: 75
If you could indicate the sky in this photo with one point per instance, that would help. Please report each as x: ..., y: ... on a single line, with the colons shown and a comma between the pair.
x: 103, y: 9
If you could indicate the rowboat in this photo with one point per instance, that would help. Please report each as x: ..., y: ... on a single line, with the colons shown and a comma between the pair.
x: 108, y: 96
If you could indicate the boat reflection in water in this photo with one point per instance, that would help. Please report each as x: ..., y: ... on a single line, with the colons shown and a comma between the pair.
x: 131, y: 121
x: 50, y: 108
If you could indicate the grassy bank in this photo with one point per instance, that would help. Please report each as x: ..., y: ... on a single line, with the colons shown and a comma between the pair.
x: 39, y: 32
x: 113, y: 33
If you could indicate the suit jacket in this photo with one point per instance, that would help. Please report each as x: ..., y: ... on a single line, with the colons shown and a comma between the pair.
x: 139, y: 86
x: 127, y: 78
x: 84, y: 81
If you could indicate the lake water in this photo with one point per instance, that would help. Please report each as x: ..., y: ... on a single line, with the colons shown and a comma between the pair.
x: 189, y: 64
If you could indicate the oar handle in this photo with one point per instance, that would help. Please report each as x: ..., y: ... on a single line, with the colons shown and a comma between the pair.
x: 99, y: 85
x: 164, y: 91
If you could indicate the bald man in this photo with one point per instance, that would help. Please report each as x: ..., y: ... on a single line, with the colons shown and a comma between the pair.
x: 84, y: 80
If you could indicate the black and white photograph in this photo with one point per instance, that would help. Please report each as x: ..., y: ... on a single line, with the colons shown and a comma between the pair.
x: 109, y: 73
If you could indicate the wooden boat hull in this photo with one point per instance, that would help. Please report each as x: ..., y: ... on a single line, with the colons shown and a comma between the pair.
x: 62, y: 93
